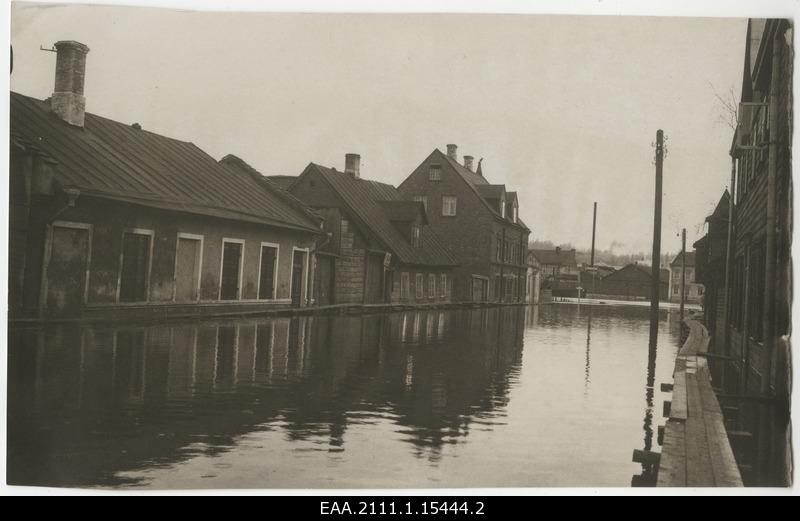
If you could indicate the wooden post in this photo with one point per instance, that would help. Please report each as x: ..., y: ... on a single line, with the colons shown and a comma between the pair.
x: 654, y: 293
x: 594, y: 230
x: 683, y: 271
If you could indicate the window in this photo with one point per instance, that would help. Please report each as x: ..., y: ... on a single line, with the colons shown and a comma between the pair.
x: 443, y: 285
x: 416, y: 235
x: 231, y: 269
x: 498, y: 240
x: 435, y: 173
x: 135, y: 268
x: 267, y: 271
x: 449, y: 203
x: 503, y: 208
x: 431, y: 285
x: 405, y: 285
x: 419, y: 289
x: 422, y: 199
x: 514, y: 212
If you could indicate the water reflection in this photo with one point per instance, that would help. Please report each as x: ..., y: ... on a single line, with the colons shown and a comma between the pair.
x: 403, y: 399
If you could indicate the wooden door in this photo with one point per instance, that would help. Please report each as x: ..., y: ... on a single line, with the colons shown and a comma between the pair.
x: 231, y: 267
x: 67, y: 269
x: 187, y: 270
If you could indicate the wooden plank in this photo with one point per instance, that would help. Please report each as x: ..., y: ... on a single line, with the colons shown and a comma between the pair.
x: 723, y: 462
x: 699, y: 472
x: 672, y: 465
x: 679, y: 410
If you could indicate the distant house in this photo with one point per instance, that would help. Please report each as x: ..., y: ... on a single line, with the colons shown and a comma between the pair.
x: 694, y: 290
x: 632, y: 282
x: 478, y: 223
x: 381, y: 247
x: 711, y: 251
x: 557, y: 263
x: 283, y: 181
x: 109, y: 217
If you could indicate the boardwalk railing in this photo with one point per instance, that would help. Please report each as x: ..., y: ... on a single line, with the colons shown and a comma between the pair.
x: 696, y: 451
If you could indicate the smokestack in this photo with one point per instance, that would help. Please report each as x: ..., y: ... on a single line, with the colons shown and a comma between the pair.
x: 352, y: 165
x: 67, y: 101
x: 468, y: 162
x: 452, y: 152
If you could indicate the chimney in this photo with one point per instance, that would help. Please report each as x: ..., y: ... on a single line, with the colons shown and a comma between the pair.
x: 468, y: 162
x: 452, y: 152
x: 67, y: 101
x: 352, y: 165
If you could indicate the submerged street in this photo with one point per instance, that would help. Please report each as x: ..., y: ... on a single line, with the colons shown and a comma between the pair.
x: 553, y: 395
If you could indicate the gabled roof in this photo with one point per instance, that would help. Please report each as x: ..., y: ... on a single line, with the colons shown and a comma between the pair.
x: 641, y: 268
x: 121, y: 162
x: 284, y: 181
x: 367, y: 201
x: 722, y: 209
x: 678, y: 260
x: 477, y: 182
x: 562, y: 257
x: 491, y: 192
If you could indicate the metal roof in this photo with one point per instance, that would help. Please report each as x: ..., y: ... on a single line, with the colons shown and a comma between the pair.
x: 367, y: 201
x: 113, y: 160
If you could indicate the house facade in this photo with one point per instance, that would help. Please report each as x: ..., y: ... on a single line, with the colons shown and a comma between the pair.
x: 380, y: 248
x: 107, y: 217
x: 560, y: 271
x: 710, y: 257
x: 477, y: 222
x: 694, y: 289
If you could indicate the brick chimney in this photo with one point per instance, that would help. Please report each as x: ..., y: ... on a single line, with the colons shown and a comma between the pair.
x: 67, y: 101
x: 452, y: 152
x: 352, y: 165
x: 468, y: 162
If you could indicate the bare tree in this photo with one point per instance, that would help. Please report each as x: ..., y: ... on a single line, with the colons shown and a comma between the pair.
x: 729, y: 107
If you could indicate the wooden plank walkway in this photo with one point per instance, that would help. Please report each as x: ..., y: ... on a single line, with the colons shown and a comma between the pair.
x: 696, y: 451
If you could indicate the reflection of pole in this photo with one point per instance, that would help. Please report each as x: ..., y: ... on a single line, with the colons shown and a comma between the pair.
x: 683, y: 271
x: 654, y: 290
x: 586, y: 375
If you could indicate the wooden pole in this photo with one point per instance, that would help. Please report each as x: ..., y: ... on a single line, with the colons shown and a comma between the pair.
x: 683, y: 271
x: 656, y: 282
x: 594, y: 230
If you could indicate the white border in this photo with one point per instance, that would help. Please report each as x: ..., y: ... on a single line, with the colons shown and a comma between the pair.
x: 48, y: 252
x: 136, y: 231
x: 277, y: 248
x: 198, y: 263
x: 303, y: 277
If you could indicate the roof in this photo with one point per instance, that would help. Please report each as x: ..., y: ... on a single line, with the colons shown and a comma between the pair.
x: 678, y: 259
x: 375, y: 205
x: 477, y: 182
x: 562, y: 257
x: 403, y: 211
x: 120, y: 162
x: 491, y: 191
x: 643, y: 268
x: 284, y: 181
x: 721, y: 211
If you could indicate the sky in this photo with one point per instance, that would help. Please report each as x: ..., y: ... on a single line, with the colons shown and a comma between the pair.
x: 562, y: 109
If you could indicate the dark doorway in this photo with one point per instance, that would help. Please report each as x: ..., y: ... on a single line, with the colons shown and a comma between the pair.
x: 66, y: 269
x: 324, y: 287
x: 298, y: 267
x: 135, y: 267
x: 374, y: 291
x: 231, y: 270
x: 266, y: 283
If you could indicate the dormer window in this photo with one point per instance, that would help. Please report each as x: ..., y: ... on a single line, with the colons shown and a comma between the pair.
x: 435, y: 172
x: 514, y: 212
x: 416, y: 235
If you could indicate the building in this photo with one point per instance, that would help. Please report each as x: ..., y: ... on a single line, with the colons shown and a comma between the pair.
x: 711, y: 251
x: 478, y: 223
x: 694, y: 290
x: 109, y: 217
x: 381, y: 247
x: 632, y: 282
x: 534, y: 280
x: 560, y: 271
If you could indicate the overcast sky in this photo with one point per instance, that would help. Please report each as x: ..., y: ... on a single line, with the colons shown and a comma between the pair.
x: 562, y: 109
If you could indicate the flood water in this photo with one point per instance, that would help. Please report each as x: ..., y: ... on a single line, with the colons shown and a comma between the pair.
x: 552, y: 395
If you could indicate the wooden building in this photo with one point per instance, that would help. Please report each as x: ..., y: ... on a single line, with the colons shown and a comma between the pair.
x: 381, y: 248
x: 560, y: 271
x: 632, y: 282
x: 108, y: 217
x: 477, y: 222
x: 711, y: 251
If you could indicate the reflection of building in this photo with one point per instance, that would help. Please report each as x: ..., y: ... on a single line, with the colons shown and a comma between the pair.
x: 108, y: 216
x: 118, y: 397
x: 478, y: 222
x: 534, y: 279
x: 382, y: 246
x: 694, y: 290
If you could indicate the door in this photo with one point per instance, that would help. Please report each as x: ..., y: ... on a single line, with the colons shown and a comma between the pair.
x: 298, y: 267
x: 266, y: 282
x: 374, y: 293
x: 66, y: 269
x: 187, y: 270
x: 231, y: 271
x: 324, y: 281
x: 135, y: 267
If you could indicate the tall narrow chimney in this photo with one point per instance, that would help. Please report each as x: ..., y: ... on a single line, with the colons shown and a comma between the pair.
x: 468, y: 162
x: 452, y: 152
x: 352, y: 165
x: 67, y: 101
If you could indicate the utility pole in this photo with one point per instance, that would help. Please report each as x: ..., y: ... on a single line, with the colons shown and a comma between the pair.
x: 654, y: 291
x: 683, y: 271
x: 594, y: 230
